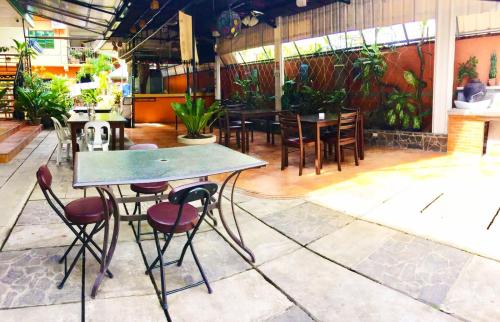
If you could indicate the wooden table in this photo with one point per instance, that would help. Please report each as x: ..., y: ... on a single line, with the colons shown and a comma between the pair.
x: 331, y: 120
x: 246, y: 114
x: 84, y: 109
x: 149, y: 166
x: 116, y: 121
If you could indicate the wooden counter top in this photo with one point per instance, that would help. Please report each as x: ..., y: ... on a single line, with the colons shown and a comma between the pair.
x: 170, y: 95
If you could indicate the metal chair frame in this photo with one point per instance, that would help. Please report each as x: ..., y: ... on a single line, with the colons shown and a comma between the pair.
x: 80, y: 235
x: 202, y: 192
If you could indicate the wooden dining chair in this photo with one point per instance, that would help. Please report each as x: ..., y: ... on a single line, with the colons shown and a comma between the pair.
x: 345, y: 136
x: 227, y: 128
x: 292, y: 137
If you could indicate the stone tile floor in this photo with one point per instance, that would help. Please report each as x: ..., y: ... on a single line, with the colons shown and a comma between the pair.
x: 313, y: 264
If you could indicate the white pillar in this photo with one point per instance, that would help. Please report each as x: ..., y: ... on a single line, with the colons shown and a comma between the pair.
x: 217, y: 78
x: 444, y: 60
x: 279, y: 64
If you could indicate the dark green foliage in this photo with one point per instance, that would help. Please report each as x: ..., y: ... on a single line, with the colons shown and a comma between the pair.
x: 195, y: 116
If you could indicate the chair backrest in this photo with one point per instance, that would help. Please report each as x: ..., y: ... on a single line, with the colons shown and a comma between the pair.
x: 348, y: 123
x: 44, y: 179
x: 198, y: 191
x: 97, y: 127
x: 61, y: 133
x: 192, y: 192
x: 144, y: 146
x: 224, y: 120
x: 290, y: 126
x: 65, y: 120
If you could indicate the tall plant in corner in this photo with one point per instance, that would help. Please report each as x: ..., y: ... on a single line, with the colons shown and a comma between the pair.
x: 492, y: 81
x: 195, y: 116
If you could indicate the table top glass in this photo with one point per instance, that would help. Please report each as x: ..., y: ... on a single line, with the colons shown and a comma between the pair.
x: 100, y: 168
x: 85, y: 109
x: 108, y: 117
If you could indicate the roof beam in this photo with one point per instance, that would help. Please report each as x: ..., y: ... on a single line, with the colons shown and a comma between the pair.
x: 64, y: 22
x: 63, y: 12
x: 92, y: 6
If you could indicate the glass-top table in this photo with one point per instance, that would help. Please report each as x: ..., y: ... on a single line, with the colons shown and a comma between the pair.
x: 103, y: 169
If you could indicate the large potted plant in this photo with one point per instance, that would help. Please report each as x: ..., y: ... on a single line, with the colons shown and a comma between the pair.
x: 492, y: 77
x: 37, y: 101
x: 196, y: 118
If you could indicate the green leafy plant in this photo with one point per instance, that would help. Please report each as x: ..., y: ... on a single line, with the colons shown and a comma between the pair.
x: 468, y: 69
x: 336, y: 99
x: 59, y: 86
x: 311, y: 100
x: 371, y: 66
x: 195, y: 116
x: 493, y: 66
x: 4, y: 49
x: 401, y: 111
x: 90, y: 97
x: 37, y: 100
x: 250, y: 89
x: 24, y: 49
x: 3, y: 104
x: 290, y: 94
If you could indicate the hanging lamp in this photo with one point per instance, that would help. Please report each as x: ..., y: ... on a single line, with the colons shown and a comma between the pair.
x: 155, y: 5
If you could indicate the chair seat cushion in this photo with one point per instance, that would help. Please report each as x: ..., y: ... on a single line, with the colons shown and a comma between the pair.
x: 84, y: 211
x: 162, y: 217
x: 295, y: 141
x: 149, y: 188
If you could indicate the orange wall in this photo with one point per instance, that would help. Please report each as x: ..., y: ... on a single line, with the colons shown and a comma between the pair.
x: 482, y: 48
x: 47, y: 71
x: 178, y: 84
x: 159, y: 109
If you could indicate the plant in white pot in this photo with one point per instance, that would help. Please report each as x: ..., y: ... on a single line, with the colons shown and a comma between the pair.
x: 196, y: 118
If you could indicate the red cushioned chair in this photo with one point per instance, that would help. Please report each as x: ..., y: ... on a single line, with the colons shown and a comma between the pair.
x: 178, y: 216
x: 156, y: 189
x: 77, y: 215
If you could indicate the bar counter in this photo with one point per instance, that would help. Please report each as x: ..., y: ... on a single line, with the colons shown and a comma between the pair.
x: 156, y: 108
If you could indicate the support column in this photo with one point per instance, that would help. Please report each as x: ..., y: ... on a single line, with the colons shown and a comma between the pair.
x: 279, y: 64
x: 218, y: 95
x: 444, y: 60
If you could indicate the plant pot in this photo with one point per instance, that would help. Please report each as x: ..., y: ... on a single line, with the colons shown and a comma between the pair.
x: 35, y: 121
x: 492, y: 82
x: 472, y: 88
x: 18, y: 115
x: 208, y: 139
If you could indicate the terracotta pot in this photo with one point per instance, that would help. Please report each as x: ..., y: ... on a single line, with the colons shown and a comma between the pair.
x: 208, y: 139
x: 492, y: 82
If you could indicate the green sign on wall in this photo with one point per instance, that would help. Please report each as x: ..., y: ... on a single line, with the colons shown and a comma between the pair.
x: 44, y: 42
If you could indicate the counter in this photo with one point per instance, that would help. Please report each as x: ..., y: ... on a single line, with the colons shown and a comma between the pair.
x: 156, y: 108
x: 474, y: 131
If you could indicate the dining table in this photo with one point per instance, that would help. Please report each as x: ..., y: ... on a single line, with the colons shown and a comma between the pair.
x: 84, y: 109
x: 317, y: 123
x: 127, y: 167
x: 116, y: 121
x: 244, y: 114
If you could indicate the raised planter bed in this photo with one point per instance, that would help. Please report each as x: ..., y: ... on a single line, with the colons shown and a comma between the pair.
x: 407, y: 140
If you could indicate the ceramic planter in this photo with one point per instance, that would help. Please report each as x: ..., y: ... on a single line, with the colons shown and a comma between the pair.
x: 208, y: 139
x: 492, y: 82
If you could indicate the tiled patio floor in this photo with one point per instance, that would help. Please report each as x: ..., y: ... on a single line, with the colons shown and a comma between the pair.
x: 314, y: 263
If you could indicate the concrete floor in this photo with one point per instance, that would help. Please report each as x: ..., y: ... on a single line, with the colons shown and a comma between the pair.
x: 321, y: 256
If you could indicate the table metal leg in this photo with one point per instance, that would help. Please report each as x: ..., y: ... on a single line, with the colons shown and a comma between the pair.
x: 107, y: 254
x: 237, y: 239
x: 74, y: 144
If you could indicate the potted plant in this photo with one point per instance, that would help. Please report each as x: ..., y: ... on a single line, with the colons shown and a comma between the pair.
x: 196, y: 118
x: 467, y: 71
x: 492, y: 81
x: 37, y: 101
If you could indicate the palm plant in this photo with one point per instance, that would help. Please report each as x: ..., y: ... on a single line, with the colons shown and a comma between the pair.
x: 195, y: 116
x: 37, y: 100
x: 24, y: 49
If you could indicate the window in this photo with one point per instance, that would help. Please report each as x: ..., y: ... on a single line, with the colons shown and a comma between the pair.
x: 338, y: 41
x: 45, y: 43
x: 417, y: 30
x: 391, y: 34
x: 313, y: 45
x: 289, y: 50
x: 354, y: 39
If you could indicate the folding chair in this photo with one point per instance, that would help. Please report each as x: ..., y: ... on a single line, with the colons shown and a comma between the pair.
x: 78, y: 214
x: 178, y: 216
x: 156, y: 189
